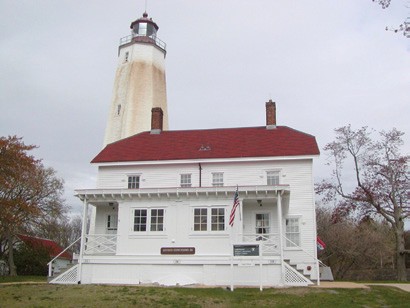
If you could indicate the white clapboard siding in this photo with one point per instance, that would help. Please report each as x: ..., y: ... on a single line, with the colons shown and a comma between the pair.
x: 235, y: 173
x: 178, y: 225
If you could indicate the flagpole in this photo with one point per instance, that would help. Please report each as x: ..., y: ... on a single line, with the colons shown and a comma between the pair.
x: 231, y: 265
x: 235, y: 205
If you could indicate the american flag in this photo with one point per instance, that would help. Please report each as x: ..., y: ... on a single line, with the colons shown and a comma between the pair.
x: 234, y: 206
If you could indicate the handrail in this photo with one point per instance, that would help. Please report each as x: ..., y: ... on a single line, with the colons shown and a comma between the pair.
x: 308, y: 253
x: 51, y: 262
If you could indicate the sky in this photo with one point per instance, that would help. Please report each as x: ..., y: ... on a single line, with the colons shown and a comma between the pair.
x: 326, y: 64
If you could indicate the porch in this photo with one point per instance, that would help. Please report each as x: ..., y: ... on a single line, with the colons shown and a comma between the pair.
x: 258, y: 219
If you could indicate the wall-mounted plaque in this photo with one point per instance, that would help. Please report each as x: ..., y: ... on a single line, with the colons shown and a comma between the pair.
x: 177, y: 250
x: 246, y: 250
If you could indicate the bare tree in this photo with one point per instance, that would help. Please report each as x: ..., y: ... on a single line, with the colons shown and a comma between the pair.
x: 63, y: 230
x: 352, y: 244
x: 380, y: 179
x: 384, y: 3
x: 404, y: 27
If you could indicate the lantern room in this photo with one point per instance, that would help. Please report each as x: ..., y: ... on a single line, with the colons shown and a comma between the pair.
x: 144, y: 26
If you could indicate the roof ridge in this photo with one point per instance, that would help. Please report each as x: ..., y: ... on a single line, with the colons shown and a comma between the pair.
x: 296, y: 130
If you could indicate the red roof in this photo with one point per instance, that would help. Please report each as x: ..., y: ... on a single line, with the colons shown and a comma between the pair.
x: 210, y: 143
x: 52, y: 246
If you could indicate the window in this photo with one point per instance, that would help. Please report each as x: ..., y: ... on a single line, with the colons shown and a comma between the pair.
x: 133, y: 181
x: 155, y: 217
x: 217, y: 179
x: 292, y: 232
x: 140, y: 220
x: 118, y: 109
x: 272, y: 177
x: 157, y: 220
x: 212, y: 219
x: 112, y: 222
x: 186, y: 180
x: 218, y: 219
x: 127, y: 54
x: 142, y: 28
x: 200, y: 219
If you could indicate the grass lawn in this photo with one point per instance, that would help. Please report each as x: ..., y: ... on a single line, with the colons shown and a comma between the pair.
x: 46, y: 295
x: 22, y: 279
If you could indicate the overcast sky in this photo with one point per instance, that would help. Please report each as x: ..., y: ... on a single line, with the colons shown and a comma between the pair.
x: 326, y: 63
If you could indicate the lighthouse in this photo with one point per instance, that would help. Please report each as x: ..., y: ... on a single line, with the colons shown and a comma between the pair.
x: 140, y: 83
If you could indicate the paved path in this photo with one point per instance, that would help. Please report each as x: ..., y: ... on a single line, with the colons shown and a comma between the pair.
x: 340, y: 285
x: 402, y: 286
x: 353, y: 285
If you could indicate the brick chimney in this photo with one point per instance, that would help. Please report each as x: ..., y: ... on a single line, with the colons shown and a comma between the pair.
x: 270, y: 115
x: 157, y: 116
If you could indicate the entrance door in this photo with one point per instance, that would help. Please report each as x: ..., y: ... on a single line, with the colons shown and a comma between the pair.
x: 262, y: 226
x: 112, y: 223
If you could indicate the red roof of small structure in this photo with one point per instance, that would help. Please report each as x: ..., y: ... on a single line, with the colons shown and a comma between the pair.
x: 52, y: 246
x: 210, y: 143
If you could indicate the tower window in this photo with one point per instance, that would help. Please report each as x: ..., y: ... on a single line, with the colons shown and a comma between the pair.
x: 118, y: 109
x: 127, y: 55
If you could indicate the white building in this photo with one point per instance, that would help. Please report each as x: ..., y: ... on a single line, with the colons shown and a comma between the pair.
x: 163, y: 199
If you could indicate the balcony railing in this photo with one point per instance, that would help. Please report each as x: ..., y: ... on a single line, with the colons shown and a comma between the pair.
x: 143, y: 38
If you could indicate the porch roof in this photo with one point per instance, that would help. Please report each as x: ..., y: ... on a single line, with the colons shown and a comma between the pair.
x: 108, y: 195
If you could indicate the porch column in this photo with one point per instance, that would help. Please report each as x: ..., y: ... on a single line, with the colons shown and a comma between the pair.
x: 83, y: 234
x: 315, y: 250
x: 279, y: 206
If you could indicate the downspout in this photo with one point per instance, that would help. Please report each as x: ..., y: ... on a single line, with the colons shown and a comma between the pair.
x: 200, y: 174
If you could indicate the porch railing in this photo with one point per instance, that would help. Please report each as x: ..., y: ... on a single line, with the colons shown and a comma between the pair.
x: 269, y: 242
x: 100, y: 244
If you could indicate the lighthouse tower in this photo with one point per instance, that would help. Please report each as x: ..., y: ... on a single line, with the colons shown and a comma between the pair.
x: 139, y: 82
